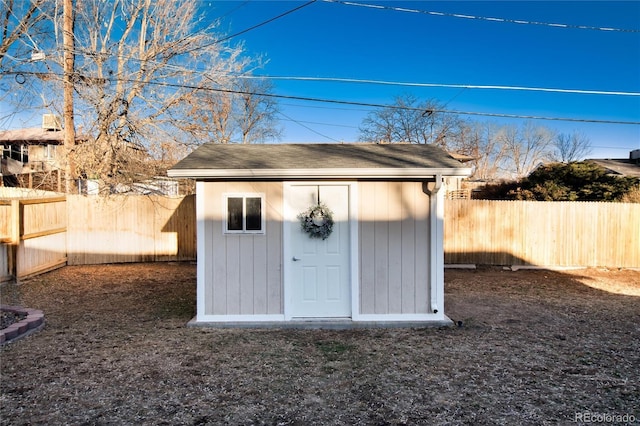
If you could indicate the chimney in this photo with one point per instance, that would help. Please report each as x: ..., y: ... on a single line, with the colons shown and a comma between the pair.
x: 51, y: 122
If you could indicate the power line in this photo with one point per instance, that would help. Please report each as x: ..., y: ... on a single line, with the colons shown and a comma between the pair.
x: 354, y: 103
x: 444, y: 85
x: 246, y: 30
x: 299, y: 123
x: 372, y: 105
x: 482, y: 18
x: 244, y: 3
x: 408, y: 84
x: 332, y: 108
x: 346, y: 126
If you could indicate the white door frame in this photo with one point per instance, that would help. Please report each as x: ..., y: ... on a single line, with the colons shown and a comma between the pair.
x: 290, y: 215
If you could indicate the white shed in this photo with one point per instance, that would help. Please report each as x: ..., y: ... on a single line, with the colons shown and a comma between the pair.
x: 265, y: 256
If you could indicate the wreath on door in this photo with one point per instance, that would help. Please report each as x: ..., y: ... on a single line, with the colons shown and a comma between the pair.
x: 317, y: 221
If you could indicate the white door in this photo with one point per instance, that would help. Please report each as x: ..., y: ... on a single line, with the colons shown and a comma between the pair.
x: 319, y: 269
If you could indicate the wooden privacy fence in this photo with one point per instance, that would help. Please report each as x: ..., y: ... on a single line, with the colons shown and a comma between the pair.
x: 38, y: 234
x: 33, y: 236
x: 130, y: 229
x: 542, y: 233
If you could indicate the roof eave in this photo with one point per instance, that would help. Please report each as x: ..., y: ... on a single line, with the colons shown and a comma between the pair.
x: 289, y: 174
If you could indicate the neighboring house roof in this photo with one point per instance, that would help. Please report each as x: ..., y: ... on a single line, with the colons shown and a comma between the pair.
x: 463, y: 158
x: 622, y: 166
x: 317, y: 161
x: 35, y: 136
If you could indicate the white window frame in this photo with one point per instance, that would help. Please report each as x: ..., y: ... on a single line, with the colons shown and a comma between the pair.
x: 244, y: 196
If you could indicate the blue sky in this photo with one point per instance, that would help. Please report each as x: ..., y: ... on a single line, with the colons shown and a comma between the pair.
x: 338, y: 40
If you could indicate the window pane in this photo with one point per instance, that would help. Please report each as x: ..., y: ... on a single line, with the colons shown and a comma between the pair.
x: 254, y: 214
x: 24, y: 149
x: 234, y: 214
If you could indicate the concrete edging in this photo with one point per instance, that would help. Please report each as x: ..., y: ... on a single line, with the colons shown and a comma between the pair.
x: 32, y: 323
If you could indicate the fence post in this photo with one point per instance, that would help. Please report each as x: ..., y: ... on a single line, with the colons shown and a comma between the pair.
x: 15, y: 232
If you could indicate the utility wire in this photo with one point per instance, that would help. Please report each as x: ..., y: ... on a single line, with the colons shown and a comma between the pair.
x: 246, y: 30
x: 454, y: 86
x: 299, y: 123
x: 353, y: 103
x: 391, y: 83
x: 372, y: 105
x: 244, y: 3
x: 401, y: 83
x: 321, y: 124
x: 482, y: 18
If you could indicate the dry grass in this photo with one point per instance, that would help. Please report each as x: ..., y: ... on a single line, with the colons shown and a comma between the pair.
x: 535, y: 347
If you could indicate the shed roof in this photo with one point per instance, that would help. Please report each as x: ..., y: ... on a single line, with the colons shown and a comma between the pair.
x: 317, y: 161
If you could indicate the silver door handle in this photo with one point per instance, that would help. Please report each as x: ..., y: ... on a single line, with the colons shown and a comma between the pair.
x: 295, y: 259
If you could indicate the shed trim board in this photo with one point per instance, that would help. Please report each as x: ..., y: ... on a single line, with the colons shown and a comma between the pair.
x: 300, y: 174
x: 201, y: 248
x: 395, y: 266
x: 436, y: 241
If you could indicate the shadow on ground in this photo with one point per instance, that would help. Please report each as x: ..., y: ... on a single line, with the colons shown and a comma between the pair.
x: 534, y: 347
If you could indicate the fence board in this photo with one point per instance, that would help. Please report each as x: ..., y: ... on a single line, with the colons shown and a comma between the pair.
x: 5, y: 273
x: 42, y: 216
x: 5, y: 220
x: 37, y: 255
x: 130, y: 229
x: 33, y: 234
x: 542, y: 233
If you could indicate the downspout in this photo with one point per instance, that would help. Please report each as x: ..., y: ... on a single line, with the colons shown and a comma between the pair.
x: 436, y: 248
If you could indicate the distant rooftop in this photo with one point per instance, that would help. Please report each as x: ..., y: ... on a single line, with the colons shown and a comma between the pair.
x: 32, y: 135
x: 619, y: 166
x: 35, y: 135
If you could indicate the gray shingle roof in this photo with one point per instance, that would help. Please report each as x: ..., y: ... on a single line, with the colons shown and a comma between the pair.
x: 218, y: 160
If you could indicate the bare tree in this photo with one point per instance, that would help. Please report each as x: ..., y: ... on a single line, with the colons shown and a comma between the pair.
x: 526, y: 147
x: 245, y: 113
x: 409, y: 120
x: 25, y: 34
x: 480, y: 141
x: 141, y: 67
x: 571, y: 147
x: 256, y: 116
x: 20, y: 25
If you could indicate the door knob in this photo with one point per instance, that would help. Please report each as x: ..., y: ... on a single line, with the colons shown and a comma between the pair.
x: 295, y: 259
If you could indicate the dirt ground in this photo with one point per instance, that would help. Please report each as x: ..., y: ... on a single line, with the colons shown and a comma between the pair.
x: 532, y: 347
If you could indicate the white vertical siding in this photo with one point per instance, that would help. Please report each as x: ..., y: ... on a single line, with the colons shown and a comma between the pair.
x: 367, y: 246
x: 394, y: 248
x: 243, y: 272
x: 422, y: 252
x: 381, y: 248
x: 273, y: 249
x: 408, y: 243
